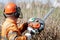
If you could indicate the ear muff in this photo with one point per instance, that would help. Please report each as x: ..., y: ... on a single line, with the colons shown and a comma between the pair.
x: 17, y: 13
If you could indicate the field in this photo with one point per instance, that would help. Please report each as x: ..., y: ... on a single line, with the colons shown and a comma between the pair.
x: 52, y: 23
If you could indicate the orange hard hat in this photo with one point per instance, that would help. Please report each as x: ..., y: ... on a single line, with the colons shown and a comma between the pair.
x: 10, y: 8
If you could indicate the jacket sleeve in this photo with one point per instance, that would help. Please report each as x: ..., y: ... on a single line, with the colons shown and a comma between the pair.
x: 12, y: 31
x: 23, y: 27
x: 12, y: 36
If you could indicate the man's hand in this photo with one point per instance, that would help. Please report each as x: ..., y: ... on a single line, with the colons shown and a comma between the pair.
x: 28, y: 35
x: 23, y: 27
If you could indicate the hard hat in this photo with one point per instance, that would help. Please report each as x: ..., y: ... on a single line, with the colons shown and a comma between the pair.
x: 10, y: 8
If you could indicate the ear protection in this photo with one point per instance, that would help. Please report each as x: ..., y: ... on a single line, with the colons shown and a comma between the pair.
x: 16, y: 14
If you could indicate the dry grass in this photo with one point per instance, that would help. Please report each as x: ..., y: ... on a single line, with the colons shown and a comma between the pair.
x: 52, y: 24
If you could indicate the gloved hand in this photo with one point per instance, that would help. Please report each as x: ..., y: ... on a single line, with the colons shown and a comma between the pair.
x: 28, y: 35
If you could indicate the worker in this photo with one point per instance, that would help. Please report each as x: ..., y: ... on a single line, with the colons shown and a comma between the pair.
x: 10, y: 29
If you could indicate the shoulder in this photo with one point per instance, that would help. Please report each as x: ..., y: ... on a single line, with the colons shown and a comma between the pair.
x: 7, y: 24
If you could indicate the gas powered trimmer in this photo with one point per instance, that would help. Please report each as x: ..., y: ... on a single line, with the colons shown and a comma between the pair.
x: 36, y: 25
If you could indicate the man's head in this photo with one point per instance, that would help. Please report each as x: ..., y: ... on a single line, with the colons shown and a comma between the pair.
x: 11, y: 9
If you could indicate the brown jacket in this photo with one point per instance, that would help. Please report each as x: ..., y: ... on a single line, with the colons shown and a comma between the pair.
x: 10, y: 30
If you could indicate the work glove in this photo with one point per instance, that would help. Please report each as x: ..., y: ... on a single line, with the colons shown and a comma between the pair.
x: 28, y: 35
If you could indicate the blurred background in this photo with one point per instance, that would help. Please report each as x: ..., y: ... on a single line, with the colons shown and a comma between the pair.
x: 38, y: 8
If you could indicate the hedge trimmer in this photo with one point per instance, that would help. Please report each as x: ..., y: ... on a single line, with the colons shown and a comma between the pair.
x: 32, y: 30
